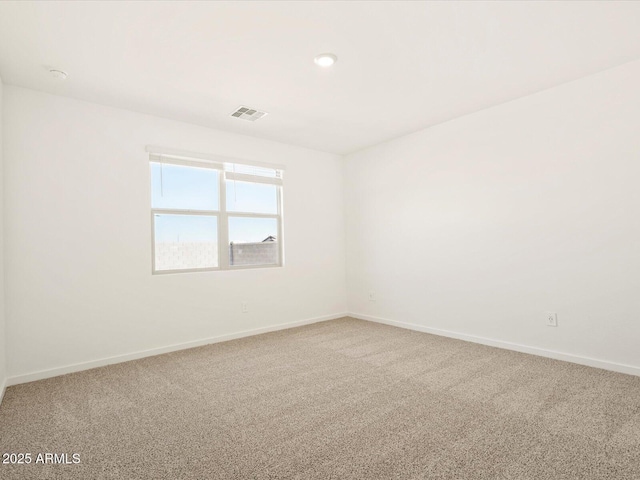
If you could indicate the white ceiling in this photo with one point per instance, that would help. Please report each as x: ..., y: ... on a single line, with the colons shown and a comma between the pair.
x: 402, y: 66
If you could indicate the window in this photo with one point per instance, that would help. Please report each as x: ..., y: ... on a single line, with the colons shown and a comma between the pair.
x: 209, y: 214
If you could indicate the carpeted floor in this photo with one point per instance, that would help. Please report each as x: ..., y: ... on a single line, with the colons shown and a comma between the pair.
x: 344, y: 399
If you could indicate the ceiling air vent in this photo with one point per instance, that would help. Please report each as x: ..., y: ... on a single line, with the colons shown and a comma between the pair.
x: 247, y: 113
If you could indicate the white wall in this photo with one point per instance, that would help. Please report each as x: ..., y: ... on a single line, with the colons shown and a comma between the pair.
x: 476, y: 226
x: 78, y: 252
x: 480, y: 225
x: 3, y: 343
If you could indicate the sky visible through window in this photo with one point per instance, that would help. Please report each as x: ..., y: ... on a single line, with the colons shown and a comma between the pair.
x: 192, y: 188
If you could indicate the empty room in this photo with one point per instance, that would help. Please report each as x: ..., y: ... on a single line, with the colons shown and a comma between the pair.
x: 320, y: 240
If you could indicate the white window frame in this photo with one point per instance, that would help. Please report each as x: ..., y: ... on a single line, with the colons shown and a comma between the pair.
x: 222, y: 165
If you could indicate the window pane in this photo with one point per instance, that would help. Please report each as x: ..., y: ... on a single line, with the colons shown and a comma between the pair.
x: 185, y: 241
x: 184, y: 188
x: 253, y: 241
x: 251, y: 197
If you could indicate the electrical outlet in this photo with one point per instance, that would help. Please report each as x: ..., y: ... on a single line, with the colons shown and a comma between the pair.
x: 245, y: 307
x: 552, y: 319
x: 372, y: 296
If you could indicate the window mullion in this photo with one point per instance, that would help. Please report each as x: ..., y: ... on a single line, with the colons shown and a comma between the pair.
x: 176, y: 211
x: 223, y: 225
x: 253, y: 215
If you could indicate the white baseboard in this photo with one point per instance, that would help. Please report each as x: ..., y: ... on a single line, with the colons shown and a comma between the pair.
x: 3, y: 389
x: 54, y: 372
x: 567, y: 357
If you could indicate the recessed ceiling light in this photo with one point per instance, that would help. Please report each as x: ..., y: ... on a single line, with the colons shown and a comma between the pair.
x: 59, y: 74
x: 325, y: 59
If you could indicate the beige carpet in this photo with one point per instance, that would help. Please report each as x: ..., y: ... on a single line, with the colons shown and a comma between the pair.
x: 343, y: 399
